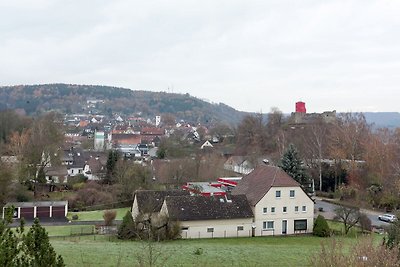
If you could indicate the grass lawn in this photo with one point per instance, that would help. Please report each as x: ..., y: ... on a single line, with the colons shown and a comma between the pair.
x: 258, y: 251
x: 67, y: 230
x: 96, y: 215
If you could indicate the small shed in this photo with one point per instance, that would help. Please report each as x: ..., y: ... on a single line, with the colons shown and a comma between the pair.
x: 39, y: 209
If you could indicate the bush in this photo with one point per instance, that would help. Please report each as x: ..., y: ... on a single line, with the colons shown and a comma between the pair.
x: 127, y: 229
x: 362, y: 253
x: 75, y: 217
x: 321, y: 227
x: 365, y: 222
x: 109, y: 217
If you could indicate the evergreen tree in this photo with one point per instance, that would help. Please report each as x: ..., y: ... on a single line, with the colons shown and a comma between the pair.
x: 292, y: 164
x: 113, y: 157
x: 127, y: 229
x: 33, y: 248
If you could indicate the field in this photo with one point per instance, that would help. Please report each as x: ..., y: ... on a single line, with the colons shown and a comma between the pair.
x: 258, y: 251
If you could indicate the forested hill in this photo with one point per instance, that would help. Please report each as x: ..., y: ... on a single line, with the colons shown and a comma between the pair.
x: 66, y: 98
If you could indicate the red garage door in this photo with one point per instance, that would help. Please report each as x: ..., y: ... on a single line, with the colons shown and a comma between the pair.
x: 43, y: 212
x: 58, y: 211
x: 27, y: 213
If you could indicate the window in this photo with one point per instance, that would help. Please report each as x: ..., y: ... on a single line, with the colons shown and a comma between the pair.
x: 285, y: 209
x: 210, y: 230
x: 291, y: 194
x: 240, y: 228
x: 278, y: 193
x: 304, y: 208
x: 296, y: 208
x: 273, y: 209
x: 300, y: 225
x: 184, y: 228
x: 268, y: 225
x: 265, y: 210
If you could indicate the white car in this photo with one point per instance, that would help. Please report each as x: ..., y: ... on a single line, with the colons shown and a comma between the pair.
x: 387, y: 217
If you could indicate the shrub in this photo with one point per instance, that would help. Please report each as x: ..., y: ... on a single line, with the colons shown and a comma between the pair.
x: 109, y: 217
x: 362, y: 253
x: 321, y: 227
x: 365, y: 222
x: 75, y: 217
x: 127, y: 229
x: 198, y: 251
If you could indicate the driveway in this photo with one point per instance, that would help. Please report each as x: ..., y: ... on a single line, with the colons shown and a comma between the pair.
x: 329, y: 212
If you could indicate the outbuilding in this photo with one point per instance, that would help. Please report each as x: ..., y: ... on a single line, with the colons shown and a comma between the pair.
x: 39, y: 209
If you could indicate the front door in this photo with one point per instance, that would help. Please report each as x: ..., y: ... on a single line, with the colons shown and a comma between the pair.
x: 284, y: 227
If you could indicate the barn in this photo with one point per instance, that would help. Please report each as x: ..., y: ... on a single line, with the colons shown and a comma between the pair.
x: 39, y: 209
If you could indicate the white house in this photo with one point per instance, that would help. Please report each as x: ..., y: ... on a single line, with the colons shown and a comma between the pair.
x: 279, y: 204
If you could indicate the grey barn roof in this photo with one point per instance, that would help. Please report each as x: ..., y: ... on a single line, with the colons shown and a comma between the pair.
x: 149, y: 201
x: 194, y: 208
x: 36, y: 204
x: 257, y: 183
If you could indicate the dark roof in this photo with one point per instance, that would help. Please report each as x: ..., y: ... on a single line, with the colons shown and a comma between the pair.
x: 152, y: 200
x: 194, y: 208
x: 257, y: 183
x: 36, y: 204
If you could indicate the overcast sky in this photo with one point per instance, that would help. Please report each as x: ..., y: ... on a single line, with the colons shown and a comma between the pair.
x: 251, y: 55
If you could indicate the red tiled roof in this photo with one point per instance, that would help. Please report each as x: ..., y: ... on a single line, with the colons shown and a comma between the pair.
x: 257, y: 183
x: 126, y: 139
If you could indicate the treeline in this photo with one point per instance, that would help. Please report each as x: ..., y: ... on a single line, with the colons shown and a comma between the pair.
x: 66, y: 98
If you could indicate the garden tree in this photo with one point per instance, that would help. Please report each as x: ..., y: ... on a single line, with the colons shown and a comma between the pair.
x: 321, y: 227
x: 392, y: 240
x: 315, y: 136
x: 38, y: 146
x: 365, y: 252
x: 365, y: 222
x: 113, y: 157
x: 292, y: 164
x: 347, y: 137
x: 20, y: 248
x: 6, y: 176
x: 251, y: 134
x: 127, y: 229
x: 109, y: 217
x: 380, y: 156
x: 221, y: 130
x: 349, y: 216
x: 129, y: 177
x: 274, y: 131
x: 11, y: 121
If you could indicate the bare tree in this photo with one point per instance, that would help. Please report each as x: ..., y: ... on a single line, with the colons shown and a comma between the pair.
x: 349, y: 216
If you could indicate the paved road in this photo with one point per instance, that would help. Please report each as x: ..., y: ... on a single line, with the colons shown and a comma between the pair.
x: 329, y: 212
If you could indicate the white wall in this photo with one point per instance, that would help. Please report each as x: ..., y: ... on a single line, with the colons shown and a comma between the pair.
x: 270, y: 200
x: 221, y: 228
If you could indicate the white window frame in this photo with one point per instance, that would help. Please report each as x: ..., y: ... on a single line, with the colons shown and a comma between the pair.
x: 272, y: 209
x: 294, y: 193
x: 284, y: 209
x: 304, y: 208
x: 296, y: 208
x: 265, y: 210
x: 278, y: 192
x: 210, y: 229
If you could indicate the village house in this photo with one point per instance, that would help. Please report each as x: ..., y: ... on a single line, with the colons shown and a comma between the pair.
x: 209, y: 217
x: 279, y: 203
x: 149, y: 202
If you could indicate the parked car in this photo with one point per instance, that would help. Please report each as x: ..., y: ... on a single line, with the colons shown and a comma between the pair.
x: 387, y: 217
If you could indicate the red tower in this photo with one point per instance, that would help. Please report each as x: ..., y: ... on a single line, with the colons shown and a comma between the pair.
x: 301, y: 107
